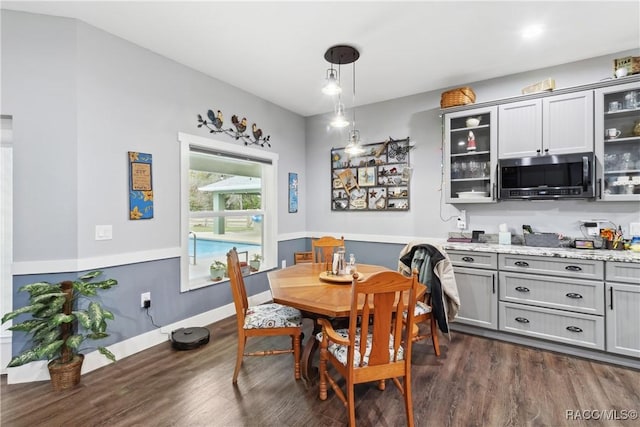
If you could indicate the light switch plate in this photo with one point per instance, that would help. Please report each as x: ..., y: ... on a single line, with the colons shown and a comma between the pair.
x: 104, y: 232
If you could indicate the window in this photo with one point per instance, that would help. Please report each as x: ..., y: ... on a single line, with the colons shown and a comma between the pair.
x: 228, y: 198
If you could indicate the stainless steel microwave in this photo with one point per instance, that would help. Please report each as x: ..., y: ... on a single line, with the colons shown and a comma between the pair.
x: 566, y: 176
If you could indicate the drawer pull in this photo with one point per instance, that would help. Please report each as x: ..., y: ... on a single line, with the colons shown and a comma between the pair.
x: 573, y: 268
x: 574, y: 295
x: 522, y: 320
x: 522, y: 289
x: 467, y: 259
x: 574, y: 329
x: 521, y: 264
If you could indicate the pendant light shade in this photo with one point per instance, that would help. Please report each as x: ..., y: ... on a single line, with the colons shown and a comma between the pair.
x: 331, y: 85
x: 354, y: 147
x: 339, y: 119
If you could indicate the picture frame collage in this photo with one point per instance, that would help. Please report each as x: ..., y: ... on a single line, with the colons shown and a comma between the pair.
x: 376, y: 180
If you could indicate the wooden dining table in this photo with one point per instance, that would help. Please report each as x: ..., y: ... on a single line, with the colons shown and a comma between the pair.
x: 317, y: 294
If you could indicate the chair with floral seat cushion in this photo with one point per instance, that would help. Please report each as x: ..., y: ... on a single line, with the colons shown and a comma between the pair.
x: 423, y: 314
x: 377, y: 344
x: 262, y: 320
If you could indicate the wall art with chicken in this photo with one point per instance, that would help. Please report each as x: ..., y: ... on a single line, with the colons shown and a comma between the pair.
x: 215, y: 124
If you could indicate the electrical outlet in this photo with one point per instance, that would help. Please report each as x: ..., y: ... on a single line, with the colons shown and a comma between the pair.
x: 634, y: 229
x: 146, y: 296
x: 462, y: 220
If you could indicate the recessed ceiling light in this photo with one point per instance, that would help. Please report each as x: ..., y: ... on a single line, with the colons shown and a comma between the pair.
x: 532, y: 31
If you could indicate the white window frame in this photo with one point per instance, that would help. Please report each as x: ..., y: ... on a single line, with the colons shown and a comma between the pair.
x: 269, y: 201
x: 6, y: 236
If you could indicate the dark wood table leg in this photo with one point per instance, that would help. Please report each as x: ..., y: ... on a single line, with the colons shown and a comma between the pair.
x: 308, y: 371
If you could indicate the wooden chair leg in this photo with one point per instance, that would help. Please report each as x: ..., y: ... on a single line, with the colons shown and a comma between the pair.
x: 322, y: 385
x: 408, y: 400
x: 351, y: 404
x: 381, y: 384
x: 242, y: 340
x: 434, y: 337
x: 296, y: 355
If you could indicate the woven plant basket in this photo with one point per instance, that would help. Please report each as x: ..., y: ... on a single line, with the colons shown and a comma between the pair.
x: 67, y: 375
x: 459, y: 96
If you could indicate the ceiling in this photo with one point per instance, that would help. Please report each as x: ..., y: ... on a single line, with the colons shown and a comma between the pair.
x: 275, y: 50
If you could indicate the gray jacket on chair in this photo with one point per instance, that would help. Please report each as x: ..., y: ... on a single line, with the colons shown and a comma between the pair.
x: 436, y: 272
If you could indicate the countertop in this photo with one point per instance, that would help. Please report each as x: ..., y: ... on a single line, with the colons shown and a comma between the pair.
x: 594, y: 254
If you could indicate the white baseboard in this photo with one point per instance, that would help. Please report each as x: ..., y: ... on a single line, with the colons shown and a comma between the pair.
x: 37, y: 371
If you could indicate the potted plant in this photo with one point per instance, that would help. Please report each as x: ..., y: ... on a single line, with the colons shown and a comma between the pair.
x: 255, y: 262
x: 63, y: 316
x: 217, y: 270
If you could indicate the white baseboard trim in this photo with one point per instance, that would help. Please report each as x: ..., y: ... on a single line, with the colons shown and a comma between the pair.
x: 37, y: 371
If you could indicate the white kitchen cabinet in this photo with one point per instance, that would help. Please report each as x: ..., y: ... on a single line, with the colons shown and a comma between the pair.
x: 520, y: 129
x: 617, y: 109
x: 623, y: 308
x: 558, y: 299
x: 477, y: 288
x: 558, y: 124
x: 470, y: 161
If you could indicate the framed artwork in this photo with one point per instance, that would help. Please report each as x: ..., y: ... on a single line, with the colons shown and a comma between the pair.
x: 376, y: 180
x: 140, y: 186
x: 293, y: 192
x: 367, y: 176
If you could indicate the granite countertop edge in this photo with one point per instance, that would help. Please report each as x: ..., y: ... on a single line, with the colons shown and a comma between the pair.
x: 590, y: 254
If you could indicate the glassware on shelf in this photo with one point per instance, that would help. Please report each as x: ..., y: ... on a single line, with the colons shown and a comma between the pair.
x: 631, y: 100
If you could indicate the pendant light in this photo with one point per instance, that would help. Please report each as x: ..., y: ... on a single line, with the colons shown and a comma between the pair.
x: 331, y: 85
x: 343, y: 54
x: 339, y: 119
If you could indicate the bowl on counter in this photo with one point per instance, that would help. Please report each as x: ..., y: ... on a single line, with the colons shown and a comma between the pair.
x: 472, y: 194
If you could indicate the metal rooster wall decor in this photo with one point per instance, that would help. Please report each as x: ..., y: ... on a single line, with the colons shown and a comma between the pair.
x: 216, y: 122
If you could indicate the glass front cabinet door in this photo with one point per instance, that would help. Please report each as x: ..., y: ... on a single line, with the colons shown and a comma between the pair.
x: 470, y: 162
x: 617, y: 142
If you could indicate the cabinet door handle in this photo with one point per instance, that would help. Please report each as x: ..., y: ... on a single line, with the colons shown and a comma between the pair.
x: 573, y: 268
x: 522, y: 320
x: 467, y: 259
x: 522, y: 289
x: 611, y: 298
x: 574, y: 329
x: 546, y: 150
x: 521, y: 264
x: 538, y: 151
x: 600, y: 188
x: 493, y: 282
x: 574, y: 295
x: 585, y: 173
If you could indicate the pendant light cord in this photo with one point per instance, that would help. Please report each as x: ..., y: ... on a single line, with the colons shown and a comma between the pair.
x: 354, y: 95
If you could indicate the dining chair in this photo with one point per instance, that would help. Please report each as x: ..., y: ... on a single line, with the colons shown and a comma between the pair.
x: 376, y: 348
x: 261, y: 320
x: 423, y: 314
x: 322, y: 248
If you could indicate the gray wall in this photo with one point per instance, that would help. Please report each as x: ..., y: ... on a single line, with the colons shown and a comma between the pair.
x: 80, y: 99
x: 418, y: 117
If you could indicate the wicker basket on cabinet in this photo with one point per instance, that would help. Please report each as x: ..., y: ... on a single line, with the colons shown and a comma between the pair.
x: 458, y: 96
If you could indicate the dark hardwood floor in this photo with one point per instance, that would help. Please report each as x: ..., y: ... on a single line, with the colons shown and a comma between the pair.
x: 475, y: 382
